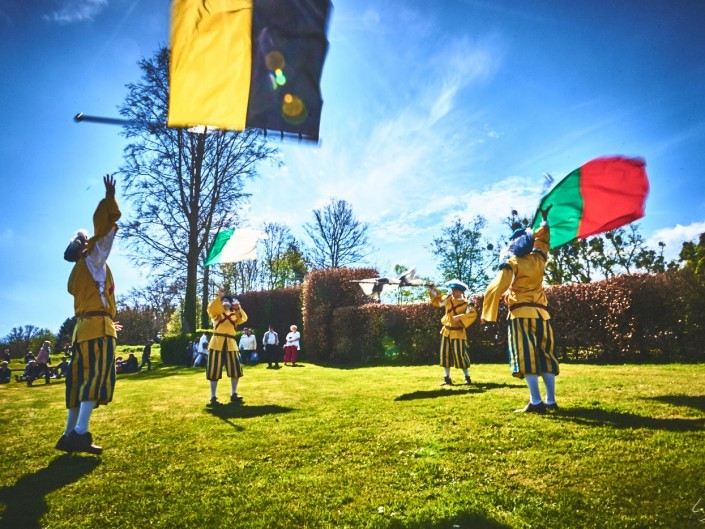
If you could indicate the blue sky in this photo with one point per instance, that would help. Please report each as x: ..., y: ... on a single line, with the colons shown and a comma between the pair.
x: 432, y: 110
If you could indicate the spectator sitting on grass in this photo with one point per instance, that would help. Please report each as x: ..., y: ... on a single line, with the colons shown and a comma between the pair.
x: 28, y: 373
x: 119, y: 365
x: 62, y: 367
x: 6, y: 355
x: 130, y: 365
x: 5, y: 372
x: 29, y: 355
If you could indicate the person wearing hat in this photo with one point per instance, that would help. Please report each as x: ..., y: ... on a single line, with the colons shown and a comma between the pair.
x: 459, y: 315
x: 5, y: 372
x: 226, y: 313
x: 530, y: 334
x: 90, y: 379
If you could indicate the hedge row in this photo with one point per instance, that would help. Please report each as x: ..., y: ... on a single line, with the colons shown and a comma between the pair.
x: 324, y: 291
x: 631, y: 318
x: 628, y: 318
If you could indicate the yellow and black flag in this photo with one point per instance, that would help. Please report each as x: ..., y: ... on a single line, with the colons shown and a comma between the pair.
x: 248, y: 63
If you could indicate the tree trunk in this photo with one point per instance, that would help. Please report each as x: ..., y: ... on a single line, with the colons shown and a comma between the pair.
x: 205, y: 319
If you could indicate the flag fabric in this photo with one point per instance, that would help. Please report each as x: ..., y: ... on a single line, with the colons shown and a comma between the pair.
x: 248, y: 63
x: 601, y: 195
x: 234, y: 245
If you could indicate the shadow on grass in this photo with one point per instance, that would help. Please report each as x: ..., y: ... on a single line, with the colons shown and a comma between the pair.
x: 435, y: 393
x: 159, y: 372
x: 25, y: 501
x: 598, y: 417
x: 226, y: 412
x: 464, y: 519
x: 690, y: 401
x: 452, y: 391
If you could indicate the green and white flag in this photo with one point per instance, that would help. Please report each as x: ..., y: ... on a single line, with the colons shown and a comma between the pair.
x: 234, y: 245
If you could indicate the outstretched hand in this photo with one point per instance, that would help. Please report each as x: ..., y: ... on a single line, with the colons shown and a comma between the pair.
x: 117, y: 325
x: 109, y: 182
x: 221, y: 292
x: 544, y: 212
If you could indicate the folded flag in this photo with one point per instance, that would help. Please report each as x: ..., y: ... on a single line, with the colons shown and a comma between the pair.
x: 602, y: 195
x: 248, y: 63
x: 233, y: 245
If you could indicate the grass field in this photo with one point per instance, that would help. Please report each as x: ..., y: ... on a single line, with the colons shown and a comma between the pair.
x: 382, y: 447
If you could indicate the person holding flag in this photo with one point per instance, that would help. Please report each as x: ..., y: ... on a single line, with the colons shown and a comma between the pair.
x: 529, y: 325
x: 459, y: 315
x: 226, y: 313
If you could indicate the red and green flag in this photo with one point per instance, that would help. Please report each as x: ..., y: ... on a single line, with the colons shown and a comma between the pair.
x: 601, y: 195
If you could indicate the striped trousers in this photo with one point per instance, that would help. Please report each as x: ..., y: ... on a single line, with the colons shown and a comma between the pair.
x: 91, y: 372
x: 216, y: 359
x: 531, y: 347
x: 455, y: 352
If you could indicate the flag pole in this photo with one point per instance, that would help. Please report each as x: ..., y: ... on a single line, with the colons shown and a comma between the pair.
x: 81, y: 117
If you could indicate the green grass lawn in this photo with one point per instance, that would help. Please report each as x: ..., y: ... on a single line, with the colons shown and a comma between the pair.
x: 382, y: 447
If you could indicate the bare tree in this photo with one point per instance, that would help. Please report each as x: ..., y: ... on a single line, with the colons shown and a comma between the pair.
x: 338, y: 238
x: 182, y: 184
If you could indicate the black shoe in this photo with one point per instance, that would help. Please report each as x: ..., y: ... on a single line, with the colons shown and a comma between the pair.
x: 64, y: 444
x: 235, y: 398
x: 552, y: 407
x: 213, y: 402
x: 533, y: 408
x: 83, y: 443
x: 468, y: 382
x: 447, y: 381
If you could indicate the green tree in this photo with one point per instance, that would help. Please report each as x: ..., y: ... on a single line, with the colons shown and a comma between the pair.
x: 462, y: 253
x: 283, y: 262
x: 693, y: 256
x: 183, y: 184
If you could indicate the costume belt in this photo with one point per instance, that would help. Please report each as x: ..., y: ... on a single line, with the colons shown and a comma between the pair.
x: 224, y: 335
x: 94, y: 313
x: 450, y: 328
x: 528, y: 304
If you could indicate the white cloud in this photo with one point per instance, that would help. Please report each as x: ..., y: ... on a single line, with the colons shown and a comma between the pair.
x: 70, y: 11
x: 674, y: 237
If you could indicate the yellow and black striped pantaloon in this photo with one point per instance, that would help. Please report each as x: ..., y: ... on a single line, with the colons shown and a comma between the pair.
x: 455, y: 352
x: 216, y: 359
x: 531, y: 347
x: 91, y: 372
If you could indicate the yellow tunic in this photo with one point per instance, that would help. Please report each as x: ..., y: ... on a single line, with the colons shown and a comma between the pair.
x: 82, y: 286
x: 452, y: 328
x: 521, y: 278
x: 225, y: 325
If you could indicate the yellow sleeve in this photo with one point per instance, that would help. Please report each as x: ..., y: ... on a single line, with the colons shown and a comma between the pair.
x: 435, y: 297
x: 542, y: 239
x: 242, y: 318
x: 106, y: 215
x: 469, y: 317
x: 499, y: 285
x: 215, y: 308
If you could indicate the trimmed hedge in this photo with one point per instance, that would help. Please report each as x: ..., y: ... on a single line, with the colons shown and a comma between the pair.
x: 324, y: 291
x: 281, y: 308
x: 630, y: 318
x: 173, y: 348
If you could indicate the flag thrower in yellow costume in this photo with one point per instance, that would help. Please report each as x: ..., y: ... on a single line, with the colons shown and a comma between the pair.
x: 90, y: 379
x: 226, y: 313
x: 459, y: 315
x: 530, y: 334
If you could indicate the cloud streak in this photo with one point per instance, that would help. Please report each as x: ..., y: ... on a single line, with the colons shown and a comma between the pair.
x: 74, y: 11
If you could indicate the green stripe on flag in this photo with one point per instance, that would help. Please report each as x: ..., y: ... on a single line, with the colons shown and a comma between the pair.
x: 219, y: 243
x: 564, y: 218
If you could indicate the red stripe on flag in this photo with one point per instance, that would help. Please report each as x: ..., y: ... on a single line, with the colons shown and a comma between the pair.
x: 614, y: 191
